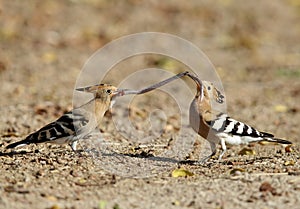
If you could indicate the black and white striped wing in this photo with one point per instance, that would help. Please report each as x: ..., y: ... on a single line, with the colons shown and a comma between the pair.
x: 63, y: 130
x: 65, y: 126
x: 225, y: 124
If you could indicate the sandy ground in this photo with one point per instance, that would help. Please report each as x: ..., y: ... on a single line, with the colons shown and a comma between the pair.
x: 254, y: 46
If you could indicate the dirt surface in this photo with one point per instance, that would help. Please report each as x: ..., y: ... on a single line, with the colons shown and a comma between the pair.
x: 255, y: 48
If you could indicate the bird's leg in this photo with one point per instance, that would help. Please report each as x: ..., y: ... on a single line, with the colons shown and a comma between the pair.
x: 213, y: 152
x: 223, y: 145
x: 73, y: 145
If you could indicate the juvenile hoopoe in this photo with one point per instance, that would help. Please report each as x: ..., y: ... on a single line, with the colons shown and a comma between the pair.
x: 79, y: 122
x: 218, y: 127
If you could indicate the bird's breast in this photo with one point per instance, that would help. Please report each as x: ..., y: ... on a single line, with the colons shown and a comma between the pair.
x: 194, y: 116
x: 198, y: 123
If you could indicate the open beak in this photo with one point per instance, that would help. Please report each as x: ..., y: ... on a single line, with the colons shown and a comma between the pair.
x: 119, y: 92
x: 122, y: 92
x: 115, y: 94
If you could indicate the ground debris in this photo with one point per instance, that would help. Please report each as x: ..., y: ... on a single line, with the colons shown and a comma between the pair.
x: 16, y: 189
x: 266, y: 187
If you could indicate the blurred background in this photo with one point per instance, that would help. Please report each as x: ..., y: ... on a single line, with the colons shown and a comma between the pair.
x: 254, y: 45
x: 47, y: 42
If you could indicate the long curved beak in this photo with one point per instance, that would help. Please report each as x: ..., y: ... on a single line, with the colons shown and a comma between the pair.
x: 199, y: 84
x: 119, y: 92
x: 123, y: 92
x: 154, y: 86
x: 115, y: 94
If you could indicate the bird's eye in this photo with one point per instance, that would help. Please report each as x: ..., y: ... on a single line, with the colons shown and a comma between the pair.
x: 108, y: 91
x: 208, y: 88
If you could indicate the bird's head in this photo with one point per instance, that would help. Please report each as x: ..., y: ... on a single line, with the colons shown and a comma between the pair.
x: 101, y: 90
x: 206, y: 90
x: 212, y: 92
x: 105, y: 92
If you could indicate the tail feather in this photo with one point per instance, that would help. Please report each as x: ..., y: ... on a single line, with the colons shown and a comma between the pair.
x: 277, y: 140
x: 18, y: 144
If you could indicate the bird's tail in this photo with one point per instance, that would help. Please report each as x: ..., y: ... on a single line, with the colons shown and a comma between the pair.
x: 18, y: 144
x: 277, y: 140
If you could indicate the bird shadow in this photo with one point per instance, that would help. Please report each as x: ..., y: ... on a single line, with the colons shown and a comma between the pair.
x: 142, y: 155
x: 225, y: 162
x: 189, y: 162
x: 25, y: 152
x: 13, y: 153
x: 208, y: 164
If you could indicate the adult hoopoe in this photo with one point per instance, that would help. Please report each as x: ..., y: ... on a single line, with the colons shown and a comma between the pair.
x: 218, y: 127
x: 79, y: 122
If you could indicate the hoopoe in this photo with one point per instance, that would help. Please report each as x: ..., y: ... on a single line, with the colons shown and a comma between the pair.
x: 218, y: 127
x: 79, y: 122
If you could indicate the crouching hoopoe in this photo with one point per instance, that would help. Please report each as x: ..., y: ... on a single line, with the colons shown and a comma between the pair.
x: 218, y: 127
x: 79, y: 122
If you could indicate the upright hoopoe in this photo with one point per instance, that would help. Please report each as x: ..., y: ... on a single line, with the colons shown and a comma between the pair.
x: 218, y: 127
x: 78, y: 123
